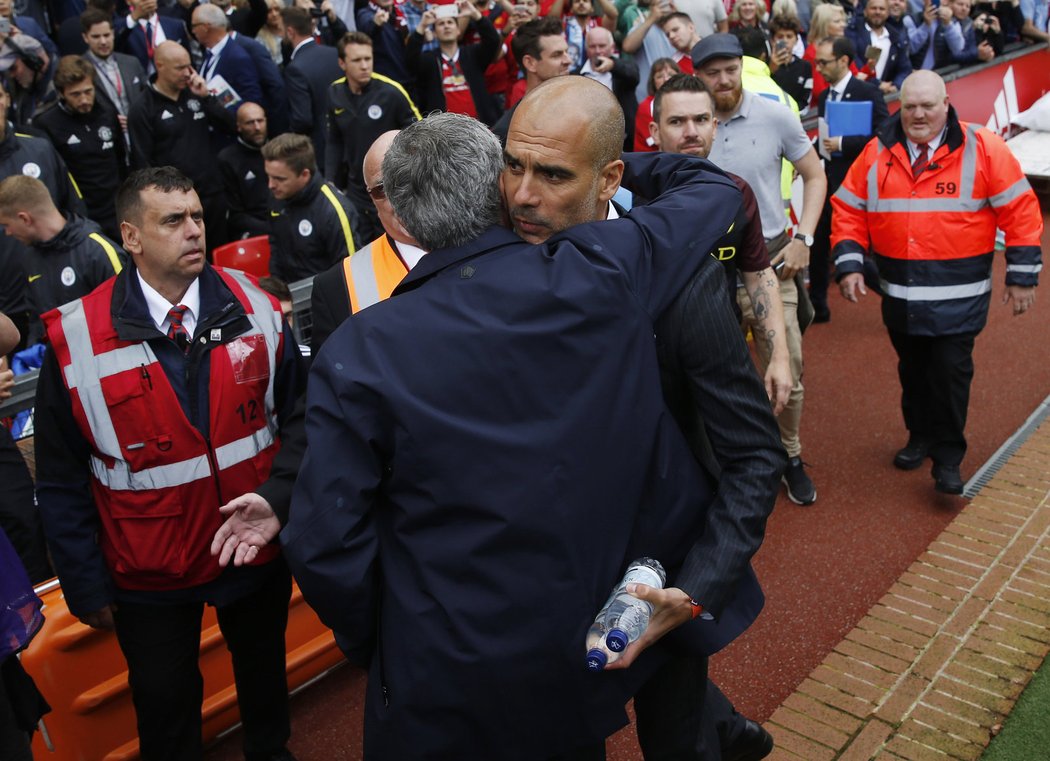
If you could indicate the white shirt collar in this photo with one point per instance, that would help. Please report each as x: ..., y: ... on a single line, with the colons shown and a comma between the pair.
x: 934, y: 144
x: 840, y: 88
x: 158, y: 305
x: 885, y: 32
x: 409, y: 253
x: 611, y: 212
x: 218, y: 47
x: 604, y: 77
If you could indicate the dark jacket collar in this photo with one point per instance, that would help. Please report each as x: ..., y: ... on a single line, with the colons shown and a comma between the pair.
x: 131, y: 315
x: 74, y: 232
x: 892, y: 132
x: 309, y: 191
x: 436, y: 261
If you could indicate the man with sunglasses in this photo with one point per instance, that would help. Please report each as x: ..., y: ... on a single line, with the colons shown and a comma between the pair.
x: 312, y: 224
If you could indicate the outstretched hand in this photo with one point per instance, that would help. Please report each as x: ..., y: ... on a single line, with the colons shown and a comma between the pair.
x: 671, y: 608
x: 251, y: 525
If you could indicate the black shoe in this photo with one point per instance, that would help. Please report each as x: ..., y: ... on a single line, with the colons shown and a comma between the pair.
x: 821, y: 314
x: 912, y: 456
x: 946, y: 479
x: 752, y: 744
x: 800, y: 488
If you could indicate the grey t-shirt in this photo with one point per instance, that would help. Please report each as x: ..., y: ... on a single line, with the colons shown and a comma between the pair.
x: 752, y: 144
x: 705, y: 14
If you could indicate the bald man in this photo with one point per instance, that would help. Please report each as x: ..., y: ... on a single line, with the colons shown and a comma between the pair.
x: 494, y: 439
x: 169, y: 127
x: 618, y: 73
x: 244, y: 175
x: 709, y: 384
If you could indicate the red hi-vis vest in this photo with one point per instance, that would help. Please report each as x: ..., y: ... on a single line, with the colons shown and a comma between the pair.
x: 156, y: 481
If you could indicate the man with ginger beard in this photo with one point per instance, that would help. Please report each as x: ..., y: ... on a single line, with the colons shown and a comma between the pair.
x: 755, y: 136
x: 479, y: 312
x: 711, y: 388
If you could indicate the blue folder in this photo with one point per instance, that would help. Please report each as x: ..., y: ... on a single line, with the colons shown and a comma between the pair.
x: 848, y: 117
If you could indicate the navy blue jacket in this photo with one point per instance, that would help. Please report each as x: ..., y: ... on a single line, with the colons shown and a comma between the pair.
x: 482, y: 469
x: 273, y: 98
x: 238, y: 69
x: 306, y: 79
x: 898, y: 66
x: 133, y: 40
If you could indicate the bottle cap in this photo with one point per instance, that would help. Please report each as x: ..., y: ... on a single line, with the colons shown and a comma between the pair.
x: 596, y: 659
x: 616, y: 640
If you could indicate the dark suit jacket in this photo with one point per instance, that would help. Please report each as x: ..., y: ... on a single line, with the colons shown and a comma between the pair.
x: 898, y: 66
x: 133, y: 40
x: 856, y: 90
x: 236, y: 66
x: 306, y: 80
x: 625, y: 80
x: 274, y: 99
x: 248, y: 21
x: 132, y: 76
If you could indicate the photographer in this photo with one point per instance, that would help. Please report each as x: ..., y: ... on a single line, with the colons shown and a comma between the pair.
x: 330, y: 27
x: 794, y: 75
x: 989, y: 33
x: 1009, y: 15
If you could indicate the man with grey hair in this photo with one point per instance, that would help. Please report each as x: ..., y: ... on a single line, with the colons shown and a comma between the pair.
x: 227, y: 67
x: 462, y: 527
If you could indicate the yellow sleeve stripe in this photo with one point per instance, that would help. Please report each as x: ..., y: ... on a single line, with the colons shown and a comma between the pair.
x: 341, y: 213
x: 402, y: 90
x: 110, y: 251
x: 75, y: 186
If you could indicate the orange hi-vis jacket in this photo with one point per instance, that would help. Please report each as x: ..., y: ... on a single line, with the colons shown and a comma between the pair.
x: 372, y: 273
x: 933, y: 237
x: 156, y: 480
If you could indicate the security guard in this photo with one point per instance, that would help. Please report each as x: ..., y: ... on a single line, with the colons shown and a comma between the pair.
x: 33, y: 157
x: 929, y: 194
x: 86, y: 133
x: 361, y: 107
x: 313, y: 225
x: 67, y: 257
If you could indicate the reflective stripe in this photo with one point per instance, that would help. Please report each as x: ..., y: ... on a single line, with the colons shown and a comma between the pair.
x: 81, y: 360
x: 873, y: 175
x: 849, y: 198
x: 1030, y: 268
x: 366, y: 285
x: 75, y: 186
x: 121, y: 478
x: 849, y: 258
x: 110, y: 251
x: 1016, y: 190
x: 243, y: 449
x: 928, y: 204
x: 400, y: 89
x: 968, y: 173
x: 341, y: 213
x: 271, y: 330
x: 936, y: 292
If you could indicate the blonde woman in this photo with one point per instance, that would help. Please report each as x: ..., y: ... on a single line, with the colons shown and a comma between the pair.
x: 748, y: 13
x: 829, y: 20
x: 272, y: 33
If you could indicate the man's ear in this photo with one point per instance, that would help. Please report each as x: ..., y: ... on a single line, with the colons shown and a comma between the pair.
x: 129, y: 233
x: 609, y: 180
x: 25, y: 218
x: 528, y: 63
x: 654, y: 133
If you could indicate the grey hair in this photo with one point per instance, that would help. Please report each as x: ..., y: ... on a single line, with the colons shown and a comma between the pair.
x: 442, y: 178
x: 212, y: 15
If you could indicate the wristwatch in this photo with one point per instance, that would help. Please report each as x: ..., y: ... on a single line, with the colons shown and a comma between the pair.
x: 807, y: 239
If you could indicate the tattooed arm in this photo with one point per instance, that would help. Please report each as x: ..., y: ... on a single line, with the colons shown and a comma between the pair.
x: 770, y: 337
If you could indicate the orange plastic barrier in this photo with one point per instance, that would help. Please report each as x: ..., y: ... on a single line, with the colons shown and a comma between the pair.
x: 82, y: 673
x: 251, y: 255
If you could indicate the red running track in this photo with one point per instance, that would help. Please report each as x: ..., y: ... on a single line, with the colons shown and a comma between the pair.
x: 824, y: 566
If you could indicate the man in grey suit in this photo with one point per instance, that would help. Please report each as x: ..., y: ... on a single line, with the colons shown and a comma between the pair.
x: 119, y: 77
x: 307, y: 75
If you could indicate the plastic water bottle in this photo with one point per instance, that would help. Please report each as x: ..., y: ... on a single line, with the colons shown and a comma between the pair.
x: 624, y: 617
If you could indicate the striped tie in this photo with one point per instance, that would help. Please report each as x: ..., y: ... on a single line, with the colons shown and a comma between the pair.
x: 176, y: 330
x: 921, y: 161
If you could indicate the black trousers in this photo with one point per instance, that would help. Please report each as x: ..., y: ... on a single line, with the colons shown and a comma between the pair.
x: 161, y: 644
x: 935, y: 374
x: 820, y: 260
x: 673, y: 722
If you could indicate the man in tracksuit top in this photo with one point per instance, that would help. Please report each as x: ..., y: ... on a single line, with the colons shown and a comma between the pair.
x: 361, y: 107
x: 86, y: 131
x: 67, y: 257
x: 173, y: 126
x: 312, y: 224
x: 165, y: 391
x: 33, y: 157
x: 244, y: 178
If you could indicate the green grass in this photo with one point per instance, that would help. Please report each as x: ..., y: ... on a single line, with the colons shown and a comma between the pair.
x: 1026, y: 732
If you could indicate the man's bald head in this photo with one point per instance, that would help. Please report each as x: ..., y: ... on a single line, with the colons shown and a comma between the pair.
x: 170, y: 52
x: 251, y: 124
x: 562, y: 172
x: 173, y: 66
x: 372, y: 169
x: 585, y: 103
x: 924, y: 106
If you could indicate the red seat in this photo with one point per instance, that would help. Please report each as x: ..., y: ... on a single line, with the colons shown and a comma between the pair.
x: 251, y: 255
